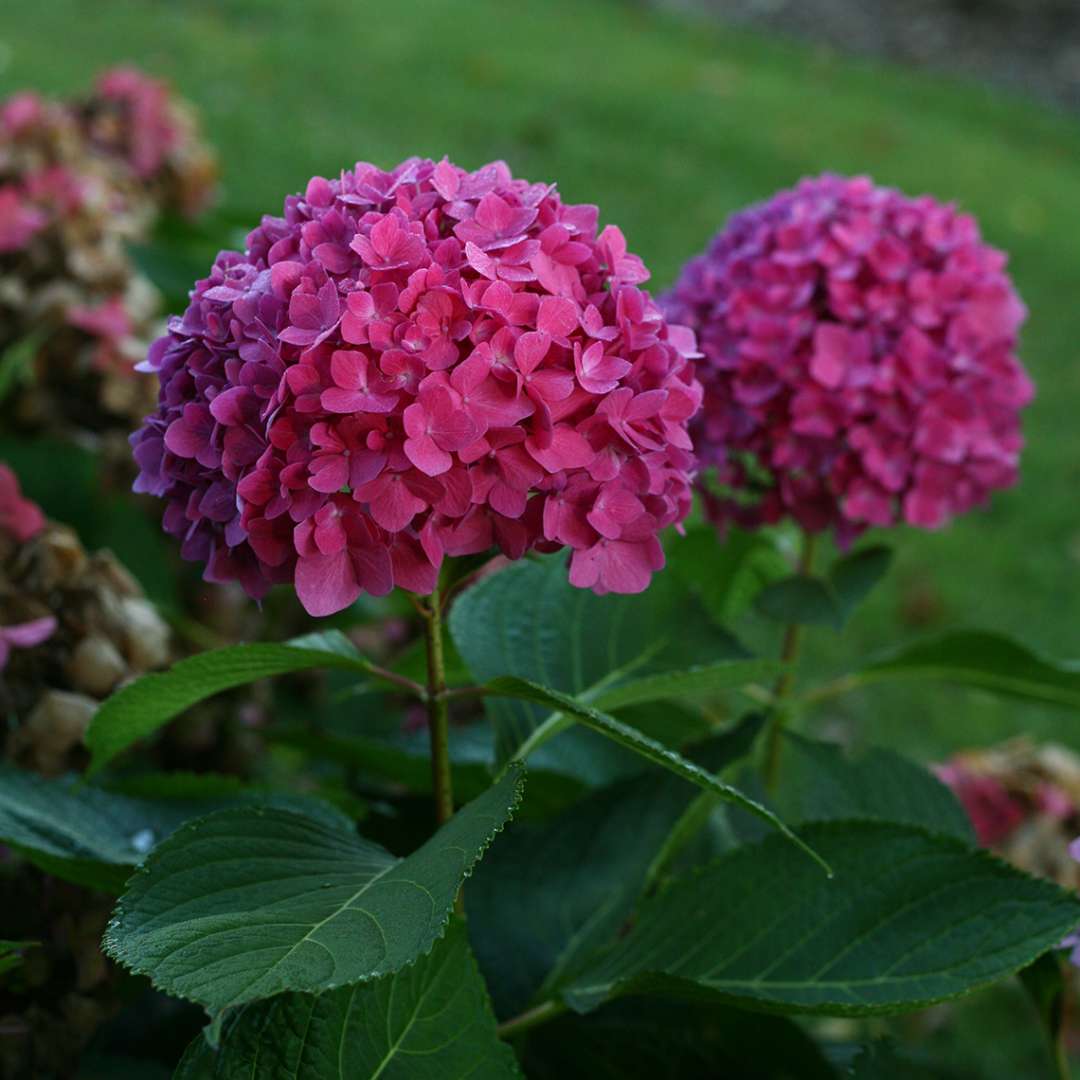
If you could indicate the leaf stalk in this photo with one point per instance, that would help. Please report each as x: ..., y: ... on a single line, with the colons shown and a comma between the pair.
x: 534, y: 1017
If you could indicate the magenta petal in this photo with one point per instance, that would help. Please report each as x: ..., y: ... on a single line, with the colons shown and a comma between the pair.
x: 329, y: 474
x: 228, y: 408
x: 615, y: 566
x: 326, y: 584
x: 182, y: 440
x: 530, y: 349
x: 393, y: 505
x: 557, y: 316
x: 568, y: 450
x: 349, y: 369
x: 28, y: 634
x: 374, y: 568
x: 336, y: 400
x: 426, y: 456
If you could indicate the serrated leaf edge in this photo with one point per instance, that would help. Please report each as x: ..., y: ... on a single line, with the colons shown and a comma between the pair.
x: 626, y: 987
x: 111, y: 942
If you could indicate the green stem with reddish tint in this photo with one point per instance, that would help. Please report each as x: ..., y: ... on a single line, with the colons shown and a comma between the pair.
x: 438, y: 710
x: 789, y: 657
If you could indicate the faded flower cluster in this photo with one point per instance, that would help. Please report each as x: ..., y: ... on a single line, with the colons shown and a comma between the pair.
x: 79, y: 181
x: 73, y: 626
x: 420, y: 363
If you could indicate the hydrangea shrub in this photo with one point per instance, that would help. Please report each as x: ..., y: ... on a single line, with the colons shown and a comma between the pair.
x: 426, y: 392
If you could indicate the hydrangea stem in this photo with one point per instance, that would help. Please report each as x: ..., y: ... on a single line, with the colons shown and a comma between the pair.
x: 789, y: 655
x: 438, y: 710
x: 539, y: 1014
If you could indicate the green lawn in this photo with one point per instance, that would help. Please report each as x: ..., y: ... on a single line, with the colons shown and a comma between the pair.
x: 668, y: 125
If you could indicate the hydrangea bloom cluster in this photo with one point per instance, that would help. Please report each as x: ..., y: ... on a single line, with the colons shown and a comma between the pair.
x: 860, y: 360
x: 78, y: 182
x: 419, y: 363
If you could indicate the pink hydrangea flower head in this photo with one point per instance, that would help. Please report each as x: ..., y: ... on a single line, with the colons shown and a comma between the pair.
x: 20, y: 518
x: 414, y: 364
x: 859, y: 362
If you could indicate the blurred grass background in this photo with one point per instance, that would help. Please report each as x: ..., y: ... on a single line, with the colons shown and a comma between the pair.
x: 669, y: 124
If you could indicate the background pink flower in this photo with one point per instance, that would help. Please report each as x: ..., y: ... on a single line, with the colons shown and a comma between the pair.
x: 859, y: 360
x: 20, y: 518
x: 420, y: 363
x: 25, y: 636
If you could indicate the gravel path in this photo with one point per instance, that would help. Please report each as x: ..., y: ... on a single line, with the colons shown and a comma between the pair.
x: 1031, y: 46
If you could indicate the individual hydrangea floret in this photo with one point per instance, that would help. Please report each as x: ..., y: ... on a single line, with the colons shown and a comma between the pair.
x: 859, y: 360
x: 414, y: 364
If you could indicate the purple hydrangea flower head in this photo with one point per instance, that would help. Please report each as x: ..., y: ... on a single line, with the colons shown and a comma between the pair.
x: 859, y: 362
x: 414, y: 364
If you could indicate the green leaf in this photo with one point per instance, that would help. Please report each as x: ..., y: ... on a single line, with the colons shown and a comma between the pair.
x: 94, y: 837
x: 654, y: 1039
x: 578, y: 875
x: 11, y: 954
x: 739, y: 566
x: 564, y: 706
x: 909, y: 919
x: 983, y: 660
x: 819, y: 782
x: 799, y: 599
x: 704, y: 679
x: 245, y: 904
x: 828, y: 601
x: 854, y: 576
x: 431, y: 1021
x: 689, y: 837
x: 527, y: 620
x: 141, y: 707
x: 1045, y: 986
